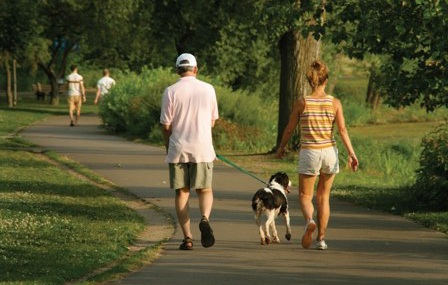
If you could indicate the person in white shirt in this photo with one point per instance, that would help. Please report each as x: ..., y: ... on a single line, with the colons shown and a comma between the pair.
x: 104, y: 85
x: 188, y: 114
x: 76, y: 94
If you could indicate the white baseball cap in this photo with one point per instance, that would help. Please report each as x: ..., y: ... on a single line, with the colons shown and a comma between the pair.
x: 186, y: 59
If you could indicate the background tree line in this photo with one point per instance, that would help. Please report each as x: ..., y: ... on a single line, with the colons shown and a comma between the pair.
x: 251, y: 45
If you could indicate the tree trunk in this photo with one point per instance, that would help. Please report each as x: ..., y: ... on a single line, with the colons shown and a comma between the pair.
x: 8, y: 81
x: 56, y: 67
x: 53, y: 80
x: 373, y: 96
x: 296, y: 53
x: 15, y: 81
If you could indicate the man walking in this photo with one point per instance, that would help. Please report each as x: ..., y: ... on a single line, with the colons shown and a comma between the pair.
x: 188, y: 114
x: 103, y: 85
x: 76, y: 94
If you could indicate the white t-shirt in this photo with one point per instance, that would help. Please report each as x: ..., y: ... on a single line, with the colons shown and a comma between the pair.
x: 189, y: 106
x: 104, y: 84
x: 74, y: 81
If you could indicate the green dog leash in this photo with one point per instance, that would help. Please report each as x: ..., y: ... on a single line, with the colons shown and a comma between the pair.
x: 222, y: 158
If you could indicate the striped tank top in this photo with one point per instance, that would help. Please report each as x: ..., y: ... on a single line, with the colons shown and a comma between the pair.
x: 317, y: 123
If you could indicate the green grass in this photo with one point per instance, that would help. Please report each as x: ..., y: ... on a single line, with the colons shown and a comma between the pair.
x: 54, y: 227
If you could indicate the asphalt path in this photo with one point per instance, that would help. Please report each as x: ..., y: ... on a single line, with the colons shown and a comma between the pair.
x: 364, y: 246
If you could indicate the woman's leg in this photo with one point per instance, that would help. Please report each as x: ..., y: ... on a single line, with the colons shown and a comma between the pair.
x: 306, y: 191
x: 323, y: 203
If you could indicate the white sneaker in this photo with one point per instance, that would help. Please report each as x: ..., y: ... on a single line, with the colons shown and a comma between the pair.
x: 321, y: 245
x: 307, y: 239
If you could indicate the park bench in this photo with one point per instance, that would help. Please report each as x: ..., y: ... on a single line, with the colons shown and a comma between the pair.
x: 41, y: 90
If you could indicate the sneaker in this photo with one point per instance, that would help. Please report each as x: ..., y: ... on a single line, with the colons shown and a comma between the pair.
x: 321, y: 245
x: 72, y: 124
x: 307, y: 239
x: 207, y: 237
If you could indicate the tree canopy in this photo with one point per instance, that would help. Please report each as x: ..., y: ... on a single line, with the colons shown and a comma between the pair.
x: 411, y: 35
x: 236, y: 41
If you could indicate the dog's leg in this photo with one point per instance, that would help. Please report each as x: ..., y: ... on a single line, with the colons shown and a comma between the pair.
x: 260, y: 226
x: 275, y: 237
x: 269, y: 223
x: 288, y: 227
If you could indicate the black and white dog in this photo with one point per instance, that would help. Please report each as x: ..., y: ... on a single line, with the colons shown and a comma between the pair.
x: 272, y: 201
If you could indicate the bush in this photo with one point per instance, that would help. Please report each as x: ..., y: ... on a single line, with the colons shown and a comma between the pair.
x: 431, y: 188
x: 133, y: 105
x: 247, y: 123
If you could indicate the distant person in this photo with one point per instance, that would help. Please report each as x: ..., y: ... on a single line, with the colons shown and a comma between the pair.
x: 188, y: 114
x: 318, y: 155
x: 76, y: 94
x: 103, y: 85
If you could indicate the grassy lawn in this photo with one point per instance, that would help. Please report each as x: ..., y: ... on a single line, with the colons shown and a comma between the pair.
x: 54, y: 227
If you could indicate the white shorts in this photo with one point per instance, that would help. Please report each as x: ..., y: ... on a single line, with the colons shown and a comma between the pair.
x: 316, y: 161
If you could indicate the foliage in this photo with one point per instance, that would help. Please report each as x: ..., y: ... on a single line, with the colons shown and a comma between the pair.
x: 17, y: 19
x: 133, y: 108
x: 431, y: 187
x: 119, y: 37
x: 133, y: 105
x: 411, y: 37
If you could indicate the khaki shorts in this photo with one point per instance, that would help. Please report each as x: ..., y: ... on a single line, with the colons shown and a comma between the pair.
x: 74, y: 100
x: 316, y: 161
x: 192, y: 175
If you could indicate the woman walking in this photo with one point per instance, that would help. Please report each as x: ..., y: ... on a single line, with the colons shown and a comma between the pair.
x: 318, y: 156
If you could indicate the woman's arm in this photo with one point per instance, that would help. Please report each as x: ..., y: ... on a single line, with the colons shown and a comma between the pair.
x: 340, y: 123
x: 297, y: 109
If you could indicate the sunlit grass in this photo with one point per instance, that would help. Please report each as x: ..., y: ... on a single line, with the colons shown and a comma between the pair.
x: 54, y: 227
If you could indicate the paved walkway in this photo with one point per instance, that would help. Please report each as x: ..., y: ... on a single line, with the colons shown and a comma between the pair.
x: 365, y: 247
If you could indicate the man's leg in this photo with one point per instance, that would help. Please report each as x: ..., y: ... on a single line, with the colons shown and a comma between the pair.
x: 205, y: 206
x: 205, y: 201
x: 71, y: 109
x: 78, y: 110
x: 183, y: 210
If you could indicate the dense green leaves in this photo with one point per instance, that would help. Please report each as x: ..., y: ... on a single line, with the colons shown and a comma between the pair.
x: 432, y: 177
x: 17, y: 19
x: 412, y: 36
x: 236, y: 41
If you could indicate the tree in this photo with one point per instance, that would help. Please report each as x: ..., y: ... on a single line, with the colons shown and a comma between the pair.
x: 297, y: 53
x: 411, y: 35
x: 299, y: 45
x: 119, y: 34
x: 76, y: 25
x: 18, y: 29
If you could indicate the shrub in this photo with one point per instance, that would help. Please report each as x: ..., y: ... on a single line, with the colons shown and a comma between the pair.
x: 133, y: 105
x: 246, y: 123
x: 431, y: 188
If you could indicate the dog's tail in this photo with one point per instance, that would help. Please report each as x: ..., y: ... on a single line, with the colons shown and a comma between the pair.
x: 260, y: 198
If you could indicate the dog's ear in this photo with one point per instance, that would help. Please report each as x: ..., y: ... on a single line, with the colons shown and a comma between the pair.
x: 284, y: 179
x: 273, y: 177
x: 281, y: 178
